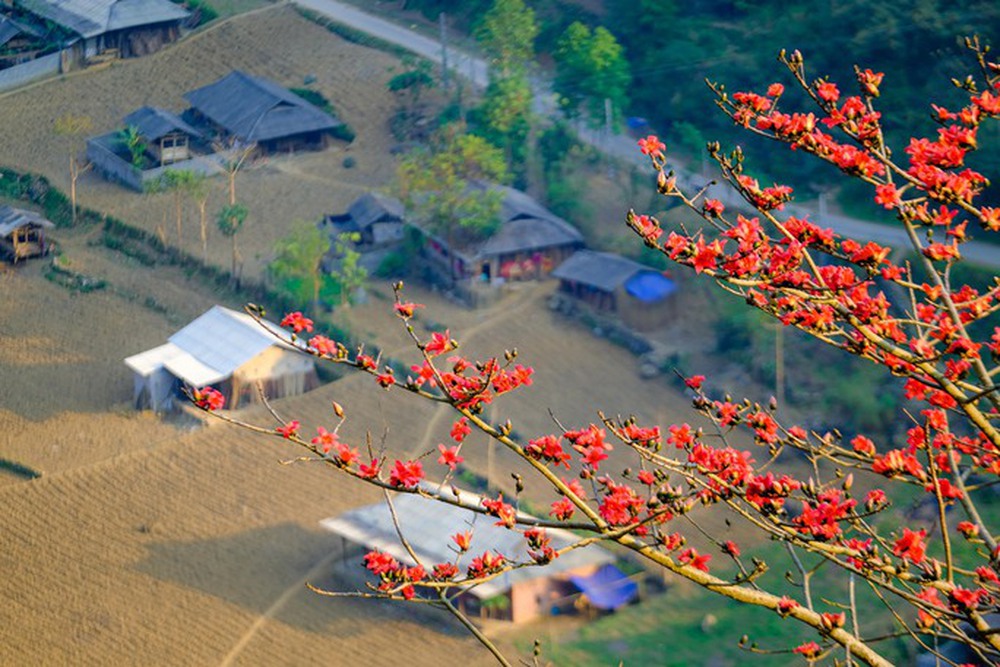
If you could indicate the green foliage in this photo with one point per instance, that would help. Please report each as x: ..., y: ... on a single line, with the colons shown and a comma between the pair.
x: 591, y: 68
x: 204, y: 11
x: 349, y: 274
x: 297, y: 267
x: 134, y: 144
x: 434, y: 185
x: 231, y: 218
x: 507, y: 36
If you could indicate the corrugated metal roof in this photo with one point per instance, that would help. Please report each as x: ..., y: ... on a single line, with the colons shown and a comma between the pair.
x: 90, y: 18
x: 602, y: 270
x: 427, y: 526
x: 12, y: 218
x: 373, y: 207
x: 154, y: 123
x: 210, y: 348
x: 255, y: 109
x: 8, y: 30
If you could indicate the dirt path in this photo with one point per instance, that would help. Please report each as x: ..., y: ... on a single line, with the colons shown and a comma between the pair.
x: 505, y: 308
x: 280, y: 602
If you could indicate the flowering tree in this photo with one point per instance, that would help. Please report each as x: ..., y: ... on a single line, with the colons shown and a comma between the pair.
x: 915, y: 319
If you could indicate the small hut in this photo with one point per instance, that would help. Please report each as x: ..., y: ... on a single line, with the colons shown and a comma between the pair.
x: 22, y: 233
x: 377, y: 217
x: 519, y: 595
x: 167, y: 137
x: 638, y: 295
x: 227, y: 350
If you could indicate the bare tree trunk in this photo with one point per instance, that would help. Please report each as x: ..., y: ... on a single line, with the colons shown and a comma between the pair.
x: 178, y: 212
x: 203, y: 219
x: 73, y: 173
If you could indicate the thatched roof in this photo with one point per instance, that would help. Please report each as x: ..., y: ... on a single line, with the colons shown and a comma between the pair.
x: 154, y: 123
x: 427, y: 526
x: 90, y: 18
x: 608, y: 272
x: 14, y: 218
x: 255, y: 109
x: 208, y: 349
x: 373, y: 207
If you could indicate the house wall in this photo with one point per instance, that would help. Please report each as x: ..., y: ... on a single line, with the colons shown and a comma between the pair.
x: 386, y: 232
x: 281, y: 372
x: 19, y: 75
x: 536, y: 597
x: 644, y: 316
x: 114, y: 168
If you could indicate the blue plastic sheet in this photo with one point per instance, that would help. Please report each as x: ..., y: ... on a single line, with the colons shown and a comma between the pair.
x: 607, y: 588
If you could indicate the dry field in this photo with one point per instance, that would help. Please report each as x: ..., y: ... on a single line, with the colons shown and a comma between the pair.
x: 150, y: 541
x: 275, y: 43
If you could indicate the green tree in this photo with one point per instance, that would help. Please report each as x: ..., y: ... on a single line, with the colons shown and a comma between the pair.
x: 507, y: 36
x: 179, y: 182
x: 348, y: 273
x: 297, y: 267
x: 230, y: 221
x: 434, y: 183
x: 591, y: 68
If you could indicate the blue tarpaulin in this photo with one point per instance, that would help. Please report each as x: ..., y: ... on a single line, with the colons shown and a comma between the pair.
x: 607, y: 588
x: 650, y: 286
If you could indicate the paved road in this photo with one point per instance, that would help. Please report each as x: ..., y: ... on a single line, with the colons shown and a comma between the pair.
x: 476, y: 70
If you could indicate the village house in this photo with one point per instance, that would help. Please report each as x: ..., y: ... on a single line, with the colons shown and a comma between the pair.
x: 529, y: 243
x: 247, y: 109
x: 167, y: 137
x: 224, y: 349
x: 19, y: 41
x: 519, y: 595
x: 22, y: 233
x: 376, y: 217
x: 638, y: 295
x: 129, y: 28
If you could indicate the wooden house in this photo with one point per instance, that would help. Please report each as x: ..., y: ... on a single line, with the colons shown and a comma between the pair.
x: 22, y: 233
x: 127, y: 27
x: 167, y: 137
x: 529, y: 243
x: 224, y: 349
x: 519, y: 595
x: 638, y: 295
x: 249, y: 109
x: 377, y: 217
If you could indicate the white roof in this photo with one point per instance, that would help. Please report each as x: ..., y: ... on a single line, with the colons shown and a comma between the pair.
x: 428, y: 526
x: 210, y: 348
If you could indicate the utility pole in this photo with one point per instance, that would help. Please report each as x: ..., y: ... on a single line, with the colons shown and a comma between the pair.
x: 444, y: 50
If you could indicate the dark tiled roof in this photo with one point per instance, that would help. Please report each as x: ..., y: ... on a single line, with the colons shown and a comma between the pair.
x: 603, y: 270
x: 527, y: 234
x: 154, y: 123
x: 255, y: 109
x: 373, y: 207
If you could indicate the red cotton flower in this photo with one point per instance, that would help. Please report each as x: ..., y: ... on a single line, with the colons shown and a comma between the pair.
x: 449, y: 456
x: 208, y: 399
x: 911, y: 546
x: 828, y: 92
x: 786, y: 605
x: 562, y: 509
x: 289, y: 430
x: 652, y: 146
x: 462, y: 540
x: 690, y: 556
x: 809, y: 650
x: 298, y: 322
x: 406, y: 475
x: 460, y: 430
x: 324, y: 439
x: 405, y: 310
x: 439, y: 343
x: 695, y: 381
x: 369, y: 470
x: 775, y: 90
